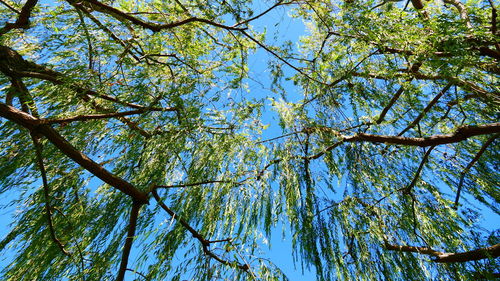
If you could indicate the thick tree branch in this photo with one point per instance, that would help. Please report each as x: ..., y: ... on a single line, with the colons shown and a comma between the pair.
x: 23, y: 20
x: 471, y: 163
x: 204, y: 242
x: 36, y: 125
x: 132, y: 225
x: 484, y: 253
x: 155, y: 27
x: 417, y: 4
x: 460, y: 134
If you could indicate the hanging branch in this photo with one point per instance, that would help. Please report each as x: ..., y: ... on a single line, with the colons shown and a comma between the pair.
x: 204, y: 242
x: 132, y: 225
x: 46, y: 192
x: 19, y: 90
x: 471, y: 163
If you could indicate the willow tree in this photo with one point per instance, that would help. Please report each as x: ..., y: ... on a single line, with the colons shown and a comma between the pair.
x: 133, y: 143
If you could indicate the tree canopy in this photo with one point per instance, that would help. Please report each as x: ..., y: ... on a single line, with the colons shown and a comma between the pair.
x: 138, y: 139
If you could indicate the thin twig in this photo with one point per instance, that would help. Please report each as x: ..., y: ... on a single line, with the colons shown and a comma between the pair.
x: 471, y: 163
x: 138, y: 273
x: 194, y: 184
x: 407, y: 189
x: 279, y: 3
x: 427, y: 108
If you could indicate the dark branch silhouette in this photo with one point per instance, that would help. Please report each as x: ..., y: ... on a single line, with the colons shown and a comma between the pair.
x: 132, y: 225
x: 23, y: 19
x: 155, y: 27
x: 204, y: 242
x: 471, y: 163
x: 36, y: 125
x: 410, y: 186
x: 483, y: 253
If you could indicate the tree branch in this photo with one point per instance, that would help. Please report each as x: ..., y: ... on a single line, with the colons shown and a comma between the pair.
x: 408, y: 188
x: 412, y: 249
x: 46, y: 192
x: 391, y: 103
x: 36, y: 125
x: 483, y: 253
x: 132, y: 225
x: 427, y: 108
x: 204, y: 242
x: 155, y: 27
x: 98, y: 116
x: 192, y: 184
x: 279, y: 3
x: 14, y: 65
x: 471, y: 163
x: 469, y: 86
x: 10, y: 7
x: 23, y: 20
x: 462, y: 10
x: 460, y: 134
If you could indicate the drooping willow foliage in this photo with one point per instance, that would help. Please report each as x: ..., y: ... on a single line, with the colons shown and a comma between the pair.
x: 135, y: 144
